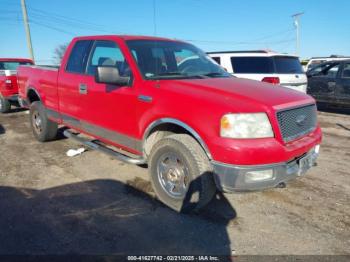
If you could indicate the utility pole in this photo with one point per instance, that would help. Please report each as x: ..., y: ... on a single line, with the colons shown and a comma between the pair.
x: 297, y: 27
x: 27, y: 29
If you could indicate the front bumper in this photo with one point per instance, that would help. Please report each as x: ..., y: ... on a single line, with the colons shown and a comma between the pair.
x: 231, y: 178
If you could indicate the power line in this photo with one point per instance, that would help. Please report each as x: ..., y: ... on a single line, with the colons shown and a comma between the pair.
x: 62, y: 17
x: 52, y: 27
x: 56, y: 21
x: 273, y: 35
x: 250, y: 42
x: 59, y: 23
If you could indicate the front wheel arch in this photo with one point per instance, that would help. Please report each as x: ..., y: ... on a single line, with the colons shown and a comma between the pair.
x: 157, y: 125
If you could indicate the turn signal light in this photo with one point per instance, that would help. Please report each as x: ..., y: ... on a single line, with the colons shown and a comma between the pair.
x: 271, y: 80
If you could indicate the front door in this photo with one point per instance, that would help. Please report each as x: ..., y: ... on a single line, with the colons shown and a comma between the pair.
x: 322, y: 82
x: 109, y: 110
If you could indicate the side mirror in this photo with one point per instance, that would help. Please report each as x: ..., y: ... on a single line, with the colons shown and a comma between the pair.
x: 110, y: 75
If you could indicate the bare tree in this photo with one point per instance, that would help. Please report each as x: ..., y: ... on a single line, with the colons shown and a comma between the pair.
x: 59, y: 53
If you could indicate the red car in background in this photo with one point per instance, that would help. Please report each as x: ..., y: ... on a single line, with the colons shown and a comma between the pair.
x: 8, y: 81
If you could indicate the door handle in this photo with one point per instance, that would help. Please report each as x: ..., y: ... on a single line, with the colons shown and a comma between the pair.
x: 83, y: 89
x: 331, y: 85
x: 144, y: 98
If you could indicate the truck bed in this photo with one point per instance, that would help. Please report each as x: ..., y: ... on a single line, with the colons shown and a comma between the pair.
x: 43, y: 78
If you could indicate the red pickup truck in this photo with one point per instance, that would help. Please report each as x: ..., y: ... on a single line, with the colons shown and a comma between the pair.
x: 165, y: 103
x: 8, y: 81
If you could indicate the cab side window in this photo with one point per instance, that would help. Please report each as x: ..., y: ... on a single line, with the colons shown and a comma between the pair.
x: 78, y: 57
x: 346, y: 71
x: 332, y: 71
x: 107, y: 53
x: 329, y: 71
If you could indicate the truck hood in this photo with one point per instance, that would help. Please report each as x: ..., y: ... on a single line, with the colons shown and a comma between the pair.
x: 248, y: 91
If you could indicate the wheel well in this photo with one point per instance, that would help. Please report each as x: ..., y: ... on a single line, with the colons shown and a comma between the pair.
x: 160, y: 131
x: 32, y: 96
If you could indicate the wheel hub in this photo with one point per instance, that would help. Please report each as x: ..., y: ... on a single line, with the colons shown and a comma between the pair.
x: 37, y: 122
x: 172, y: 175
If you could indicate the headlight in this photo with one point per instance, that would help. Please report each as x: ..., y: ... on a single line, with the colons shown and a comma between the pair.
x: 255, y: 125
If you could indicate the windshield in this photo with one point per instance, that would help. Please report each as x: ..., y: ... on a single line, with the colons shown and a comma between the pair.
x: 12, y: 65
x: 169, y: 59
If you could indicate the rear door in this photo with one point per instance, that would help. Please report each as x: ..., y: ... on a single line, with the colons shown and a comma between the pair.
x: 72, y: 82
x: 322, y: 81
x: 342, y: 92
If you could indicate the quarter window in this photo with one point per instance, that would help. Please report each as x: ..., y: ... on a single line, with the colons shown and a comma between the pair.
x: 288, y: 65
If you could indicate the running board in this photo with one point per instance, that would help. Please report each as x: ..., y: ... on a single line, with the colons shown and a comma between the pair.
x: 99, y: 147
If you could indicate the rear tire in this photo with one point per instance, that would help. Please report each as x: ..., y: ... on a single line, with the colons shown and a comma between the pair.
x: 5, y: 105
x: 43, y: 128
x: 181, y: 173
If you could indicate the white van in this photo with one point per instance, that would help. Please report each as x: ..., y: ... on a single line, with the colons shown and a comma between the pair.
x: 266, y: 66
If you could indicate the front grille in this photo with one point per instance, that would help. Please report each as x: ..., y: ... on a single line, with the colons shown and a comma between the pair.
x: 297, y: 122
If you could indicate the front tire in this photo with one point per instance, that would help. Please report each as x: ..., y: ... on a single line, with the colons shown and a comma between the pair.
x: 5, y: 105
x: 181, y: 173
x: 43, y: 128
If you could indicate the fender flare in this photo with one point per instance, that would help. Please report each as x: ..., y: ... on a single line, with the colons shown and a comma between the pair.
x: 179, y: 123
x: 31, y: 88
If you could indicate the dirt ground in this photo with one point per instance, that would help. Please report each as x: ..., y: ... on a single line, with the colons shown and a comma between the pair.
x: 92, y: 204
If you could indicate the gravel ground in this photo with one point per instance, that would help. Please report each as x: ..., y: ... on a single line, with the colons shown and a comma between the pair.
x: 93, y: 204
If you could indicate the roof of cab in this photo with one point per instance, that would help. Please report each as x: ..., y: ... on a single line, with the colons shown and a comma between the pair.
x: 126, y: 37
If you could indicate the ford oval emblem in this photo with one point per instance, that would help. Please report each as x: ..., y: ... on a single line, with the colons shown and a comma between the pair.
x: 300, y: 120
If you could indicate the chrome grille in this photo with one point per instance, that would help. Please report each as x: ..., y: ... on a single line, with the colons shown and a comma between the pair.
x: 297, y: 122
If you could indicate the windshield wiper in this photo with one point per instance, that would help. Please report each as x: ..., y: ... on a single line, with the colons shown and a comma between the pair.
x: 215, y: 74
x: 170, y: 74
x: 176, y: 74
